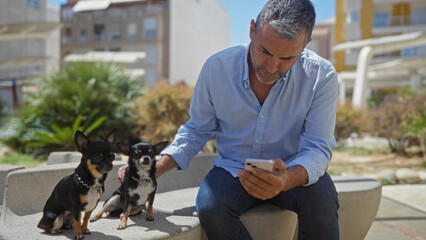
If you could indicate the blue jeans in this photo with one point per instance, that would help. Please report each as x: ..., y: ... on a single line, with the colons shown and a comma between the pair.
x: 222, y: 199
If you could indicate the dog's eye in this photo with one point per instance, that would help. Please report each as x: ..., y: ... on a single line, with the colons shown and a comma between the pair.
x: 97, y: 159
x: 137, y: 155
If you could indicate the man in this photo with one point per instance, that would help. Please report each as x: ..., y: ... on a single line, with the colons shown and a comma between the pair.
x: 270, y: 100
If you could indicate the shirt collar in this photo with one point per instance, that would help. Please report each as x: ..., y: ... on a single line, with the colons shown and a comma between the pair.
x: 245, y: 78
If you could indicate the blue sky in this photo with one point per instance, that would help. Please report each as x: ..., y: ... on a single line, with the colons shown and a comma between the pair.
x: 242, y: 11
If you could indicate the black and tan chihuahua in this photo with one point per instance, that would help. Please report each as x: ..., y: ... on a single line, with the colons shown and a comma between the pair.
x: 139, y: 185
x: 81, y: 190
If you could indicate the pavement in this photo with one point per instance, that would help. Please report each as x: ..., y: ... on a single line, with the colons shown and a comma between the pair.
x: 401, y: 215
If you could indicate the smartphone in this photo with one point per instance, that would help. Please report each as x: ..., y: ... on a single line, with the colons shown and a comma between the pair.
x: 265, y: 164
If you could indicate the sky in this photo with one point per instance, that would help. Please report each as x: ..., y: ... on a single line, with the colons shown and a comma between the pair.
x: 242, y: 11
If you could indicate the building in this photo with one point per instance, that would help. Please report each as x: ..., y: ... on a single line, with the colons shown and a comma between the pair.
x: 29, y: 44
x: 381, y: 45
x: 323, y: 38
x: 177, y: 36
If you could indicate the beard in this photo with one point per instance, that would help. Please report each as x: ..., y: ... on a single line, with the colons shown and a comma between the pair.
x: 262, y: 73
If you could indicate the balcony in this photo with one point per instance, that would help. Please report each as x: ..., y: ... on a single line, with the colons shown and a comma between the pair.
x: 398, y: 24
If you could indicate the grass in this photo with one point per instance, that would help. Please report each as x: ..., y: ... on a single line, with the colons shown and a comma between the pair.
x: 361, y: 150
x: 21, y: 159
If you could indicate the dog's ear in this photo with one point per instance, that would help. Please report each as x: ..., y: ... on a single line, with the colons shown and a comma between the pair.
x: 81, y: 141
x: 124, y: 148
x: 160, y: 146
x: 111, y: 137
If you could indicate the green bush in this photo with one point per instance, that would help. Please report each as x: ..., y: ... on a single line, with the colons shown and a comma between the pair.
x: 81, y: 93
x: 400, y: 118
x: 3, y: 111
x: 348, y: 121
x: 416, y: 125
x: 162, y: 110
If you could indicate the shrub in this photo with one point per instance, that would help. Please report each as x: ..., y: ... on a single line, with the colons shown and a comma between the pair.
x: 348, y: 121
x: 399, y: 118
x: 82, y: 91
x: 3, y: 111
x: 416, y: 125
x: 162, y: 110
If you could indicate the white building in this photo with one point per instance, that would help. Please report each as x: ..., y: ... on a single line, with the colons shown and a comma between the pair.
x: 29, y: 44
x: 177, y: 36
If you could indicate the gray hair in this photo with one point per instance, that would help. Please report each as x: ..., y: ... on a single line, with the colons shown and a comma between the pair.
x: 288, y: 17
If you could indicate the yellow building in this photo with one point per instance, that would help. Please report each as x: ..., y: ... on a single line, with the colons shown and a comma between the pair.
x: 358, y: 20
x: 364, y: 19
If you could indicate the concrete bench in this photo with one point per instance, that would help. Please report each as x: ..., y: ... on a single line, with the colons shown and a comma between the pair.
x: 4, y: 171
x: 359, y: 200
x: 27, y: 191
x: 174, y: 207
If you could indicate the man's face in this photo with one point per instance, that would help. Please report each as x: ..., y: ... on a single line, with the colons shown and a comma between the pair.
x: 271, y: 56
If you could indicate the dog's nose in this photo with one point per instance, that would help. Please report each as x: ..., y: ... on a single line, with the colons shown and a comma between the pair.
x: 145, y: 160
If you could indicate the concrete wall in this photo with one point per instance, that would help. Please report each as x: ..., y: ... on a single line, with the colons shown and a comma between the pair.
x: 198, y: 29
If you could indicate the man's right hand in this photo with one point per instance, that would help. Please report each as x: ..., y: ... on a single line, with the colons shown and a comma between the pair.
x: 122, y: 173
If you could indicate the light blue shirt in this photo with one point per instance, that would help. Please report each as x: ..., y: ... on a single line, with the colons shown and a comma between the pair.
x: 295, y: 123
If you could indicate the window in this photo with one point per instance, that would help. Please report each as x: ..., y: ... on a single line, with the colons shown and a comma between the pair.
x: 418, y: 17
x: 114, y: 12
x: 114, y: 31
x: 98, y: 32
x: 132, y: 31
x: 352, y: 17
x: 381, y: 20
x: 151, y: 54
x: 83, y: 35
x: 32, y: 4
x: 150, y: 28
x: 419, y: 51
x: 132, y: 11
x: 150, y: 77
x: 67, y: 14
x: 98, y: 14
x: 67, y: 35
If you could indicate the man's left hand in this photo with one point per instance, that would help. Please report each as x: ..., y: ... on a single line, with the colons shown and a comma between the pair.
x: 263, y: 184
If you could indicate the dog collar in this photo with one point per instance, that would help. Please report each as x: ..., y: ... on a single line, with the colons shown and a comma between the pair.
x: 141, y: 180
x: 85, y: 184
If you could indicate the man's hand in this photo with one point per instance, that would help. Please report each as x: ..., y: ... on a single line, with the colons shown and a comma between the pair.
x: 122, y: 173
x: 263, y: 184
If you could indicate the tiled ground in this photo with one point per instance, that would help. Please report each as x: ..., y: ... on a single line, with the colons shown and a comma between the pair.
x: 402, y: 214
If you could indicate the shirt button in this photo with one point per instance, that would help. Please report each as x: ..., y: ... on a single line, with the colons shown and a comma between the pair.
x: 261, y: 116
x: 257, y: 141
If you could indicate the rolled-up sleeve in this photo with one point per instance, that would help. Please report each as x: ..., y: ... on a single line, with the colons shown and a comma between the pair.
x: 193, y: 135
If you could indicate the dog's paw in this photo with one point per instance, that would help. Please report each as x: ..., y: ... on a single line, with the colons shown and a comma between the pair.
x: 150, y: 219
x: 121, y: 226
x: 86, y: 232
x: 56, y: 231
x: 93, y: 219
x: 67, y: 226
x: 78, y: 237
